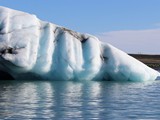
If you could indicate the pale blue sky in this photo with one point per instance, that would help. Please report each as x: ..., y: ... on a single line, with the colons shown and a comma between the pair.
x: 96, y: 16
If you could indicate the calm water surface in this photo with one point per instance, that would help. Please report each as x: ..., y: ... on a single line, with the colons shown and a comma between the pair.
x: 54, y: 100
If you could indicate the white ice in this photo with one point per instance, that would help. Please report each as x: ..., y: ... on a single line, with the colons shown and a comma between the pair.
x: 34, y: 49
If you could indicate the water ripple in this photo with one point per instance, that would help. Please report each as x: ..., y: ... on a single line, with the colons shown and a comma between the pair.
x: 78, y: 100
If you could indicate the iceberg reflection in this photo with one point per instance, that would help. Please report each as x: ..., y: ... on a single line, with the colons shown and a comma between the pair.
x: 67, y: 99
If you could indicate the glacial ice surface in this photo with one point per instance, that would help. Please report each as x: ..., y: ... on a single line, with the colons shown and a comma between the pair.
x: 34, y: 49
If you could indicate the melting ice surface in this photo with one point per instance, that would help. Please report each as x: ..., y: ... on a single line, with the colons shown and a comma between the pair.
x: 34, y: 49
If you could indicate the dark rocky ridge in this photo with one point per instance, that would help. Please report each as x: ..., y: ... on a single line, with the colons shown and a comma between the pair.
x: 152, y: 61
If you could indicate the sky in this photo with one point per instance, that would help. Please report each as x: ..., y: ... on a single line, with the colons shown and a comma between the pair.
x: 130, y: 25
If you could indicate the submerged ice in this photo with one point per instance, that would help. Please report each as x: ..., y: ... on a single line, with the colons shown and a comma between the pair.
x: 34, y: 49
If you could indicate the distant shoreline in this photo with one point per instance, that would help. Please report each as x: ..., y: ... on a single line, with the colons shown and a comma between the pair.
x: 152, y: 61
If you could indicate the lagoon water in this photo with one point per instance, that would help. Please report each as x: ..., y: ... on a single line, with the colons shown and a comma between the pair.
x: 69, y: 100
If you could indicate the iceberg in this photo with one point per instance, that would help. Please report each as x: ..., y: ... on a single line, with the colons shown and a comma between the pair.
x: 34, y: 49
